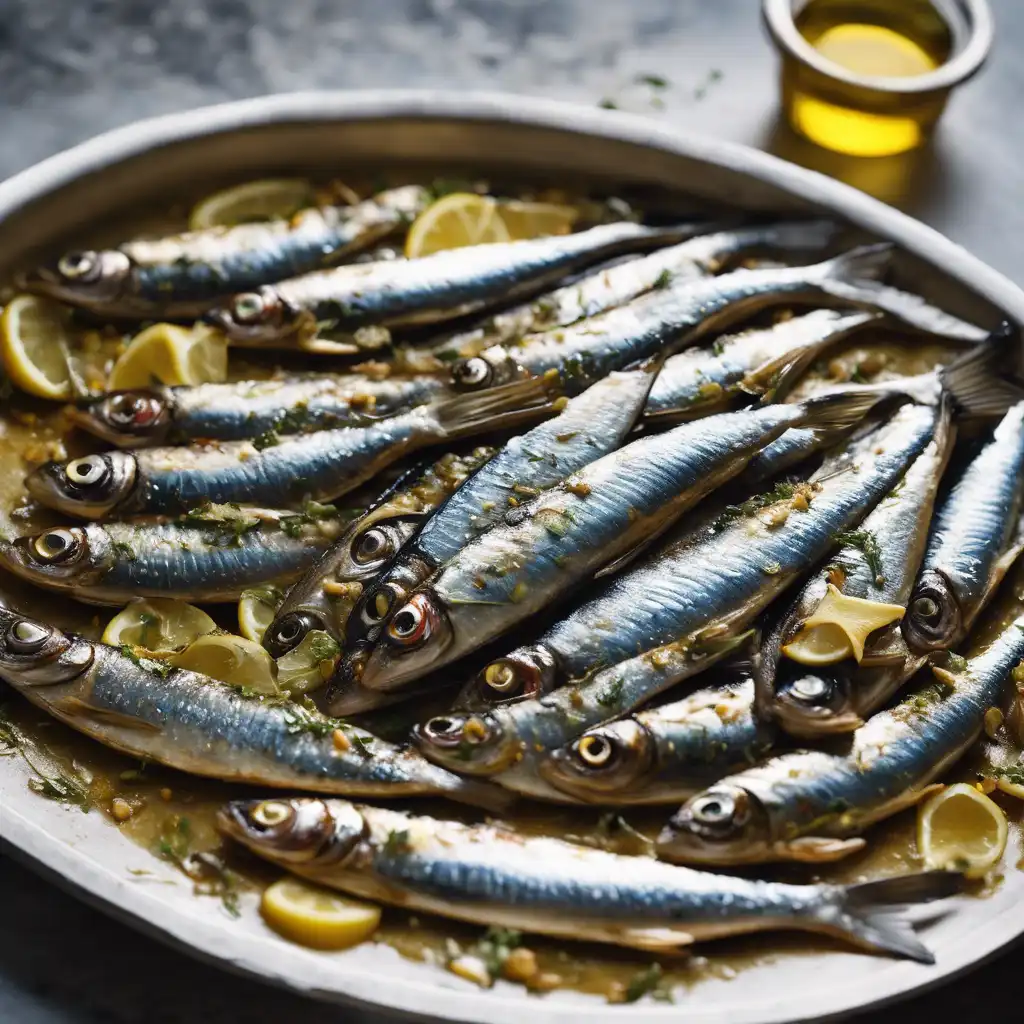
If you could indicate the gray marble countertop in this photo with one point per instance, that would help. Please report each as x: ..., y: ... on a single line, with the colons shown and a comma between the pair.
x: 70, y: 70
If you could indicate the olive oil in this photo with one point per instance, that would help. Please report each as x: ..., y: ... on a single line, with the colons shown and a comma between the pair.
x: 894, y: 40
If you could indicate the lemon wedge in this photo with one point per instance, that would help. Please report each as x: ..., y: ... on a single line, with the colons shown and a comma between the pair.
x: 310, y: 664
x: 168, y: 354
x: 463, y: 219
x: 34, y: 345
x: 231, y: 659
x: 256, y: 611
x: 317, y: 917
x: 821, y: 645
x: 159, y: 625
x: 961, y: 829
x: 254, y: 201
x: 1010, y: 787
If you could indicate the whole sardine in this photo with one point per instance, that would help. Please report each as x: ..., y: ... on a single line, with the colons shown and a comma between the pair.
x: 280, y: 473
x: 250, y: 408
x: 973, y: 540
x: 209, y: 555
x: 324, y: 597
x: 489, y: 874
x: 433, y: 288
x: 813, y: 805
x: 597, y: 291
x: 591, y: 425
x: 837, y: 654
x: 593, y: 520
x: 667, y: 754
x: 198, y: 725
x: 183, y: 275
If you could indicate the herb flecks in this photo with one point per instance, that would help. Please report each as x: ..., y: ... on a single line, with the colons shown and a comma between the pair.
x: 867, y: 543
x: 650, y: 981
x: 208, y: 872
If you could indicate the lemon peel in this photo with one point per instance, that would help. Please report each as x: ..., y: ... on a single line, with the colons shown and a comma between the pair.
x: 316, y: 917
x: 961, y: 829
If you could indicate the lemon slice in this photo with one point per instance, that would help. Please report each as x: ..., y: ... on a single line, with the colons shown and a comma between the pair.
x: 821, y: 645
x: 34, y: 345
x: 256, y: 611
x: 317, y: 917
x: 231, y: 659
x: 310, y: 664
x: 255, y: 200
x: 961, y: 829
x: 463, y: 218
x: 168, y: 354
x: 1010, y: 787
x: 159, y: 625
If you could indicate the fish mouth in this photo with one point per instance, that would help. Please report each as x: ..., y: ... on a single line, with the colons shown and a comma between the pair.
x: 51, y: 485
x: 401, y: 656
x: 100, y: 281
x: 128, y: 419
x: 33, y: 653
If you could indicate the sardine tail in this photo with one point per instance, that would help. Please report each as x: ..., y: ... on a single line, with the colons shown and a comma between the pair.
x: 977, y: 380
x: 839, y: 410
x: 864, y: 265
x: 498, y: 408
x: 869, y: 913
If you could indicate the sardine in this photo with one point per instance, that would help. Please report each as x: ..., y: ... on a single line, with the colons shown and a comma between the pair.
x: 829, y: 675
x: 324, y: 597
x: 594, y: 520
x: 209, y: 555
x: 974, y: 537
x: 251, y: 408
x: 813, y: 805
x: 198, y: 725
x: 319, y: 466
x: 184, y: 275
x: 489, y: 874
x: 591, y: 425
x: 431, y: 289
x: 667, y: 754
x: 597, y: 291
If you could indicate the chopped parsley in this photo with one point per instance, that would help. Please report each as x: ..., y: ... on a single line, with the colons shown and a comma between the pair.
x: 650, y: 981
x: 866, y: 542
x: 397, y: 843
x: 610, y: 696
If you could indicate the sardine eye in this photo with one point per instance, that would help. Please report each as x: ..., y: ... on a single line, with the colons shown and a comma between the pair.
x: 716, y: 809
x: 289, y: 632
x: 502, y: 677
x: 373, y: 546
x: 472, y: 373
x: 248, y: 307
x: 810, y: 688
x: 445, y: 731
x: 26, y: 637
x: 133, y: 410
x: 271, y: 813
x: 412, y: 622
x: 927, y: 609
x: 595, y: 751
x: 56, y: 546
x: 79, y: 266
x: 87, y: 472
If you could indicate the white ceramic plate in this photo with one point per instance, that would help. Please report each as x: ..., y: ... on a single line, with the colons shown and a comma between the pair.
x: 154, y: 160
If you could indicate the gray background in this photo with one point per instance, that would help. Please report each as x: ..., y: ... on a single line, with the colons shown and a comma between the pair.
x: 72, y: 68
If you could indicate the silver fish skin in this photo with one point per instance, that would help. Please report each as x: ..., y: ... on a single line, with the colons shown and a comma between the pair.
x: 698, y: 381
x: 198, y: 725
x: 246, y: 409
x: 598, y: 291
x: 489, y: 874
x: 710, y: 583
x: 324, y: 597
x: 442, y: 286
x: 319, y: 466
x: 591, y: 425
x: 594, y: 519
x: 673, y: 316
x: 973, y: 539
x: 184, y: 275
x: 812, y: 805
x: 204, y: 558
x: 878, y: 563
x: 666, y: 754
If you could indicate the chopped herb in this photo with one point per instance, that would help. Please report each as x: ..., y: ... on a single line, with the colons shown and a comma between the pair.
x: 610, y: 696
x: 654, y: 81
x: 268, y: 439
x: 159, y: 668
x: 663, y: 280
x: 867, y: 544
x: 780, y: 492
x: 229, y: 517
x: 208, y: 872
x: 956, y: 662
x: 299, y: 719
x: 1014, y: 774
x: 397, y: 843
x: 293, y: 421
x: 125, y: 550
x: 714, y: 75
x: 323, y: 646
x: 494, y: 948
x: 608, y: 104
x: 649, y: 981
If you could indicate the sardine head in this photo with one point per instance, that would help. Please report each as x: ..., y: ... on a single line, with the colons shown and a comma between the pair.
x: 85, y: 278
x: 287, y: 631
x: 416, y: 637
x: 126, y: 418
x: 814, y: 703
x: 256, y: 318
x: 527, y: 672
x: 63, y: 555
x: 934, y: 618
x: 300, y: 830
x: 470, y: 744
x: 35, y: 654
x: 610, y: 758
x: 722, y: 825
x: 373, y: 548
x: 89, y: 487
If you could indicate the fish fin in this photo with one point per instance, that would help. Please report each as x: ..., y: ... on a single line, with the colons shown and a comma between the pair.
x: 839, y: 410
x: 845, y: 275
x: 775, y: 379
x: 75, y: 707
x: 673, y: 417
x: 822, y: 849
x: 497, y: 408
x: 976, y: 380
x: 868, y: 913
x: 655, y: 940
